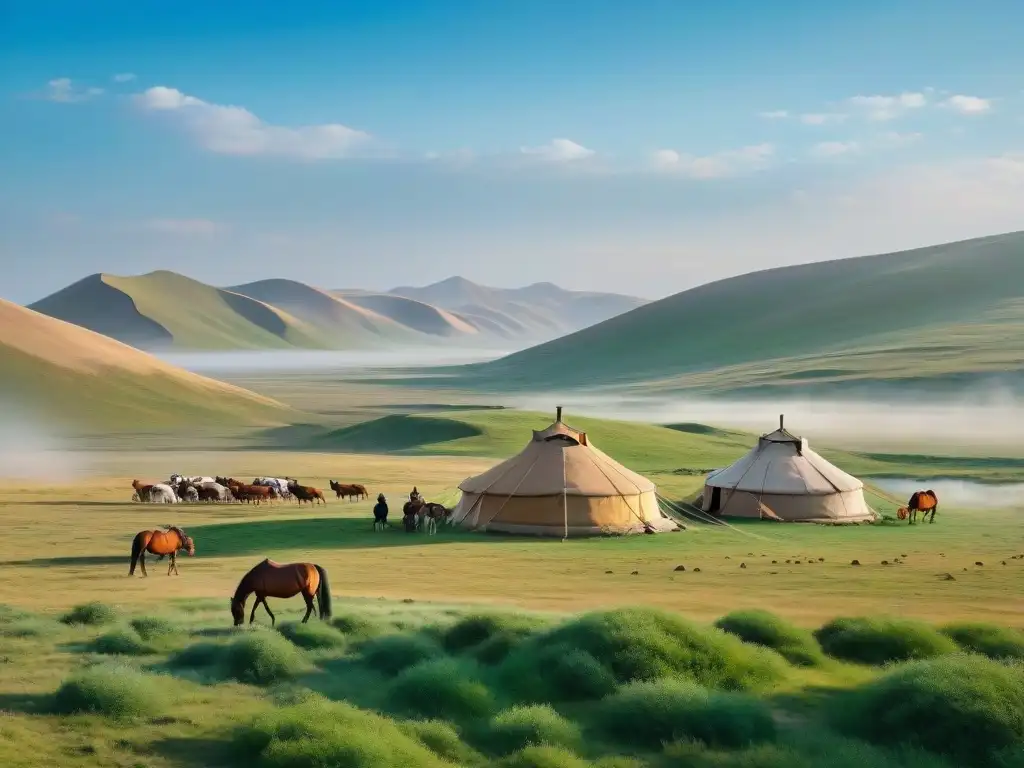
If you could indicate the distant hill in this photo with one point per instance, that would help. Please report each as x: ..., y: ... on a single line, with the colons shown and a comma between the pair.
x: 162, y: 309
x: 938, y: 316
x: 71, y: 374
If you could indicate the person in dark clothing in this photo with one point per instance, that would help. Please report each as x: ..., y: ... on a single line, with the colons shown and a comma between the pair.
x: 380, y: 512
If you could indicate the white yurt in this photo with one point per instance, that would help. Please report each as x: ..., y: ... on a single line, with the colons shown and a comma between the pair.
x: 561, y: 485
x: 781, y: 478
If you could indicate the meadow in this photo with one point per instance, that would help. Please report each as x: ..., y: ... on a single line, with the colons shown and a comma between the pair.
x: 475, y: 650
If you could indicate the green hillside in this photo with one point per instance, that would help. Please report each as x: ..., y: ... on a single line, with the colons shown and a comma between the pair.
x: 935, y: 314
x: 73, y: 376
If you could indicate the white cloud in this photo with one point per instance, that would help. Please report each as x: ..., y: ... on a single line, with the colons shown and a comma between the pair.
x: 559, y: 151
x: 968, y: 105
x: 123, y: 77
x: 234, y: 130
x: 888, y: 107
x: 62, y: 90
x: 895, y: 138
x: 822, y: 118
x: 775, y: 114
x: 185, y: 227
x: 718, y: 165
x: 834, y: 148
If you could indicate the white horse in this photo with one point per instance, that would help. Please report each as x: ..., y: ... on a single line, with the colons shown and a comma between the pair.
x: 161, y: 493
x: 176, y: 479
x: 190, y: 494
x: 223, y: 492
x: 278, y: 484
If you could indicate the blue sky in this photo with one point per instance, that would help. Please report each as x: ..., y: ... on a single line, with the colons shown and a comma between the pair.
x: 643, y: 147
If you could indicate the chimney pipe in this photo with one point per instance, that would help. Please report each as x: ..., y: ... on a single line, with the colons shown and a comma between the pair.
x: 558, y: 413
x: 780, y: 421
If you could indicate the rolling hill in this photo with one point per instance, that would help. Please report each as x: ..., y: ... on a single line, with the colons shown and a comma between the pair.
x: 70, y: 374
x: 935, y: 317
x: 162, y: 310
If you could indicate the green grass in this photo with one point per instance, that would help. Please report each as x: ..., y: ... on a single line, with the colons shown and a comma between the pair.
x: 90, y: 614
x: 117, y: 692
x: 446, y: 688
x: 263, y: 658
x: 521, y: 726
x: 881, y: 640
x: 313, y: 635
x: 796, y: 645
x: 987, y: 639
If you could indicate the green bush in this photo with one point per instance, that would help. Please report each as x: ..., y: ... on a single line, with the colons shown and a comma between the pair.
x: 262, y: 658
x: 317, y: 733
x: 648, y: 714
x: 442, y: 739
x: 90, y: 614
x: 987, y: 639
x: 313, y: 635
x: 156, y: 628
x: 118, y: 692
x: 556, y: 672
x: 391, y: 654
x: 522, y: 726
x: 543, y: 756
x: 445, y: 688
x: 648, y: 644
x: 796, y: 645
x: 966, y: 707
x: 356, y: 627
x: 882, y: 640
x: 498, y: 630
x: 198, y: 655
x: 123, y: 642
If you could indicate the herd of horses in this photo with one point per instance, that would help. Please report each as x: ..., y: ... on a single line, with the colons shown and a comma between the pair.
x: 227, y: 489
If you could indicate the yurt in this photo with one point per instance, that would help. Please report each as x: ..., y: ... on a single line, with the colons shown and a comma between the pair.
x: 781, y: 478
x: 560, y: 485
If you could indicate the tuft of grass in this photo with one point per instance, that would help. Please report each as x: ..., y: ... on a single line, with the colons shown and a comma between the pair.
x: 15, y: 623
x: 829, y: 751
x: 90, y: 614
x: 969, y: 708
x: 442, y: 739
x: 794, y: 644
x: 880, y: 640
x: 356, y: 627
x: 156, y: 628
x: 122, y: 642
x: 114, y: 691
x: 446, y: 688
x: 987, y: 639
x: 649, y: 714
x: 318, y: 733
x: 556, y: 672
x: 198, y: 655
x: 391, y: 654
x: 262, y: 658
x: 313, y: 635
x: 521, y: 726
x: 543, y: 756
x: 477, y: 629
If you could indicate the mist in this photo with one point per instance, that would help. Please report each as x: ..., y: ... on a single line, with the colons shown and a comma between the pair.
x: 962, y: 494
x: 30, y: 449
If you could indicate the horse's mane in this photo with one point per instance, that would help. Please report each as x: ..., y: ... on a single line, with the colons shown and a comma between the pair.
x: 177, y: 530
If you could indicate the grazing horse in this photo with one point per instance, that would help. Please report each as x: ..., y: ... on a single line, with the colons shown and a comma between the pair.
x: 250, y: 493
x: 353, y: 491
x: 307, y: 493
x: 920, y: 501
x: 270, y: 579
x: 166, y: 542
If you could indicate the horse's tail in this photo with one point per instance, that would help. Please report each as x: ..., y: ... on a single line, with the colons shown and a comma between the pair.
x: 136, y: 552
x: 323, y: 593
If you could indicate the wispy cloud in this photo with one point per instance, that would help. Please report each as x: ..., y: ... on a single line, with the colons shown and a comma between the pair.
x: 822, y: 118
x: 559, y: 151
x: 883, y: 108
x: 63, y: 90
x: 185, y: 227
x: 123, y: 77
x: 232, y: 130
x: 718, y: 165
x: 775, y: 114
x: 968, y: 105
x: 826, y: 149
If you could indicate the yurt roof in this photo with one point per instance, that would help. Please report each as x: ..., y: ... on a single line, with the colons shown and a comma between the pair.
x: 783, y: 463
x: 559, y: 459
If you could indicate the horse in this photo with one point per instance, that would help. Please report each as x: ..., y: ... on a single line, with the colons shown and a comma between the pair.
x: 920, y: 501
x: 380, y: 513
x: 425, y: 513
x: 307, y: 493
x: 141, y: 491
x: 250, y: 493
x: 214, y: 491
x: 277, y: 483
x: 158, y: 493
x: 352, y: 491
x: 270, y: 579
x: 176, y: 479
x: 187, y: 491
x: 166, y: 542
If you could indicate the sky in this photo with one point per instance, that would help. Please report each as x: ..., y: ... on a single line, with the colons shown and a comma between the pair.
x: 642, y: 147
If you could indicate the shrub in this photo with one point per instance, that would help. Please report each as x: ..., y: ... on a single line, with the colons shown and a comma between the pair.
x: 796, y: 645
x: 117, y: 692
x: 263, y: 658
x: 124, y: 642
x: 156, y: 628
x: 442, y: 739
x: 313, y: 635
x: 476, y: 629
x: 882, y: 640
x: 356, y: 627
x: 966, y: 707
x: 90, y: 614
x: 648, y: 714
x: 198, y: 655
x: 318, y: 733
x: 648, y: 644
x: 445, y: 688
x: 987, y: 639
x: 543, y: 756
x: 555, y: 672
x: 391, y: 654
x: 520, y: 727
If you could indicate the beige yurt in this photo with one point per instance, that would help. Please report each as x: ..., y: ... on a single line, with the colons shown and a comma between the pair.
x: 560, y: 485
x: 781, y: 478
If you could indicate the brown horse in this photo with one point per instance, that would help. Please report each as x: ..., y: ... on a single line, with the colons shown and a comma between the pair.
x: 141, y: 491
x: 920, y: 501
x: 248, y: 493
x: 270, y: 579
x: 167, y: 542
x: 424, y: 513
x: 353, y: 491
x: 307, y: 493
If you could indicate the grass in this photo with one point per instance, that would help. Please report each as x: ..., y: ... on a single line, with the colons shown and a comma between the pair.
x: 392, y: 654
x: 118, y: 692
x: 446, y: 688
x: 881, y: 640
x: 796, y: 645
x: 519, y: 727
x: 263, y: 658
x: 987, y: 639
x: 90, y: 614
x: 313, y: 635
